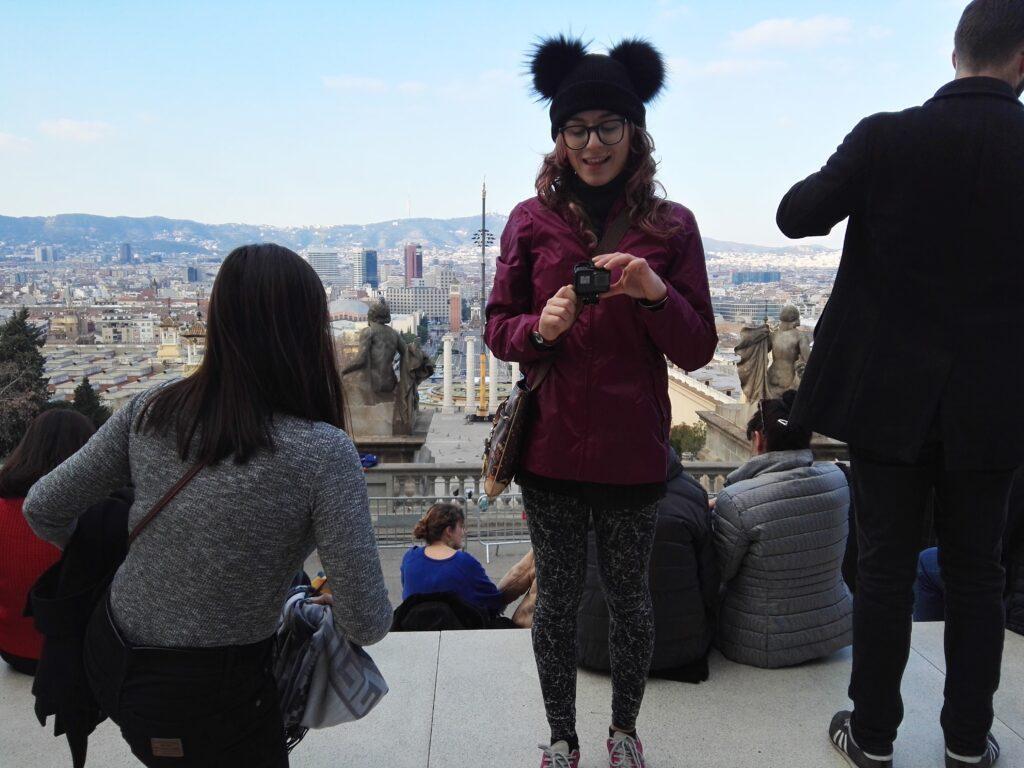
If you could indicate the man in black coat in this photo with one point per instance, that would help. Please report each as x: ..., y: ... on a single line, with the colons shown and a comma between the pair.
x: 925, y: 313
x: 684, y: 587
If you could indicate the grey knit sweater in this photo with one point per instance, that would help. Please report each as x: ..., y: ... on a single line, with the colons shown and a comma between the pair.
x: 214, y: 566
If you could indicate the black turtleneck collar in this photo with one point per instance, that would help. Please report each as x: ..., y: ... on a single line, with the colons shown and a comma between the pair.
x: 598, y: 201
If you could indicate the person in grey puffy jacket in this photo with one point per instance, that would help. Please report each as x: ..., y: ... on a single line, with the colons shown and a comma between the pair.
x: 781, y: 528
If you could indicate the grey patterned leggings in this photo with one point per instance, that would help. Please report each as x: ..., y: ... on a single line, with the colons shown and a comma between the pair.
x: 558, y: 529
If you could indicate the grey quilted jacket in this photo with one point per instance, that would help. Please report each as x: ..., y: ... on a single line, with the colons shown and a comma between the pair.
x: 781, y: 527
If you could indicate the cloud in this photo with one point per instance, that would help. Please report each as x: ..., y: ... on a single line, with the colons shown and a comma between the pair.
x: 411, y: 86
x: 11, y: 143
x: 78, y: 131
x: 354, y: 83
x: 668, y: 10
x: 792, y: 33
x: 683, y: 69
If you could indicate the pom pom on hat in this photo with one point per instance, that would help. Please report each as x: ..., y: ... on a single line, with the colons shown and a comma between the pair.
x: 552, y: 61
x: 644, y: 64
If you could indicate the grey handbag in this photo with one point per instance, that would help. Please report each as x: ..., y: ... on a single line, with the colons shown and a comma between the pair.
x: 323, y: 679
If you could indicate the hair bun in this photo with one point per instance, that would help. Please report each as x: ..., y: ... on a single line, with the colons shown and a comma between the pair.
x: 553, y: 59
x: 644, y: 64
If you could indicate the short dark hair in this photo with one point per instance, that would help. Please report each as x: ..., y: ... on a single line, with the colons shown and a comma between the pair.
x: 990, y: 31
x: 51, y: 438
x: 768, y: 420
x: 269, y: 350
x: 439, y: 518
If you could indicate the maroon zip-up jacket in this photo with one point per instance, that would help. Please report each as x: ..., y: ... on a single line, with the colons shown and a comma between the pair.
x: 603, y: 413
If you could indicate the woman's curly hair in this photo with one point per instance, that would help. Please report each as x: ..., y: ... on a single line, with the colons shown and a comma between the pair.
x: 645, y: 197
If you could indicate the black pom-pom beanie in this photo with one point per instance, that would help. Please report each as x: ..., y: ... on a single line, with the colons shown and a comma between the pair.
x: 573, y: 80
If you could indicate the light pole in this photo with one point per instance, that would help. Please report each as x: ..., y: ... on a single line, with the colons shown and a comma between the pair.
x: 483, y: 238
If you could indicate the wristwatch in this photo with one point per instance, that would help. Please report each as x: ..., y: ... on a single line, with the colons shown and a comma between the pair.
x: 539, y: 340
x: 653, y: 305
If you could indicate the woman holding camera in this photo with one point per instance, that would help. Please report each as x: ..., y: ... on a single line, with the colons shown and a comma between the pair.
x: 598, y: 443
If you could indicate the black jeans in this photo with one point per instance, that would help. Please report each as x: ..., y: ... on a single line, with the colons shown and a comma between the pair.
x: 187, y: 708
x: 891, y: 500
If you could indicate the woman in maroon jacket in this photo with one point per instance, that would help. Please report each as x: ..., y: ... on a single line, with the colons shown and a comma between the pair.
x: 598, y: 444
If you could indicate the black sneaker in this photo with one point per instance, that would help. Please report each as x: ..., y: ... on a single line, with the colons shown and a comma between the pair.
x: 987, y: 760
x: 842, y: 739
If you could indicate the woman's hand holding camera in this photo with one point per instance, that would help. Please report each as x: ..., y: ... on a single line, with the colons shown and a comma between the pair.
x: 638, y: 280
x: 558, y: 314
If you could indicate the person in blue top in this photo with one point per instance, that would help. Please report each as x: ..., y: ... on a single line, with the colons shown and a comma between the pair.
x: 442, y: 566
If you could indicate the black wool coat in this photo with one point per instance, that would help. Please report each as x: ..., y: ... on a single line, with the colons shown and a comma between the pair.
x: 924, y: 324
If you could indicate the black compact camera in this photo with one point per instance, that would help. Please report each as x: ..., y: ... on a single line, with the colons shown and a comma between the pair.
x: 590, y: 282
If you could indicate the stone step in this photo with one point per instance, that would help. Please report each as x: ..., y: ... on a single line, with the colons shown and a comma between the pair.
x: 473, y: 699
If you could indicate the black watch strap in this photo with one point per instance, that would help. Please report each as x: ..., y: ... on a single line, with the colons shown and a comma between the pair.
x: 539, y: 341
x: 653, y: 305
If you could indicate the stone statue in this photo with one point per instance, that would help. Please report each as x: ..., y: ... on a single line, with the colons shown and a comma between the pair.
x: 385, y: 399
x: 417, y: 367
x: 378, y: 345
x: 789, y: 348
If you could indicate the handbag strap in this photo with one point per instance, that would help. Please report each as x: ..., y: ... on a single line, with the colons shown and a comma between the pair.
x: 613, y: 234
x: 164, y: 501
x: 609, y: 242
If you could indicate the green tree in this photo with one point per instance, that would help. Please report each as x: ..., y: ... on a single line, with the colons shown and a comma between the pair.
x: 688, y: 438
x: 423, y: 331
x: 22, y: 385
x: 87, y: 403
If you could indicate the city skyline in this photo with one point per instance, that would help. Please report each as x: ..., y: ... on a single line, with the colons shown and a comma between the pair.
x: 365, y: 113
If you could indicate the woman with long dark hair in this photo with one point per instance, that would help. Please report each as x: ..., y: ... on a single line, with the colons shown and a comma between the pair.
x: 51, y: 438
x: 179, y: 655
x: 598, y: 444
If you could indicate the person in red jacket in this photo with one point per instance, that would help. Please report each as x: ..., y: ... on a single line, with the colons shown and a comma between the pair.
x: 50, y: 439
x: 598, y: 442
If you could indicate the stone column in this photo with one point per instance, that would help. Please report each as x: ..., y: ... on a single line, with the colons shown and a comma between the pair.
x: 492, y: 385
x: 515, y: 373
x: 448, y: 406
x: 471, y: 365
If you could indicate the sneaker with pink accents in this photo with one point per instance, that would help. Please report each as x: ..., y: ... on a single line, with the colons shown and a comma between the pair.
x: 625, y: 751
x: 559, y: 756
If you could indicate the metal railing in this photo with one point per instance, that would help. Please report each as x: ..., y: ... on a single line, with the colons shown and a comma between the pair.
x: 503, y: 522
x: 401, y: 493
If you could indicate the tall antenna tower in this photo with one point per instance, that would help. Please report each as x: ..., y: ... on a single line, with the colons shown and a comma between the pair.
x: 483, y: 238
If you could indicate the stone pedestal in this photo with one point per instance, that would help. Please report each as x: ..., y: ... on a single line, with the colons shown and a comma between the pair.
x: 727, y: 437
x: 397, y: 449
x: 372, y: 422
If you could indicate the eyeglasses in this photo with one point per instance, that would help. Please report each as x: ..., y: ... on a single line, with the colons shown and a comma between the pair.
x: 609, y: 132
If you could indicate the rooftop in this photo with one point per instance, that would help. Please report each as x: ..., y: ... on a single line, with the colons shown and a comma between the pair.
x: 472, y: 699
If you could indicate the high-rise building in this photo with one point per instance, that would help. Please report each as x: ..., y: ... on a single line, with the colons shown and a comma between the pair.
x: 125, y: 253
x: 429, y: 302
x: 364, y: 271
x: 739, y: 278
x: 413, y: 263
x: 192, y: 275
x: 455, y: 309
x: 325, y: 263
x: 46, y: 253
x: 443, y: 277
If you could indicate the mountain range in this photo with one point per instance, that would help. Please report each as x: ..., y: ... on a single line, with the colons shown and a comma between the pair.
x: 77, y: 232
